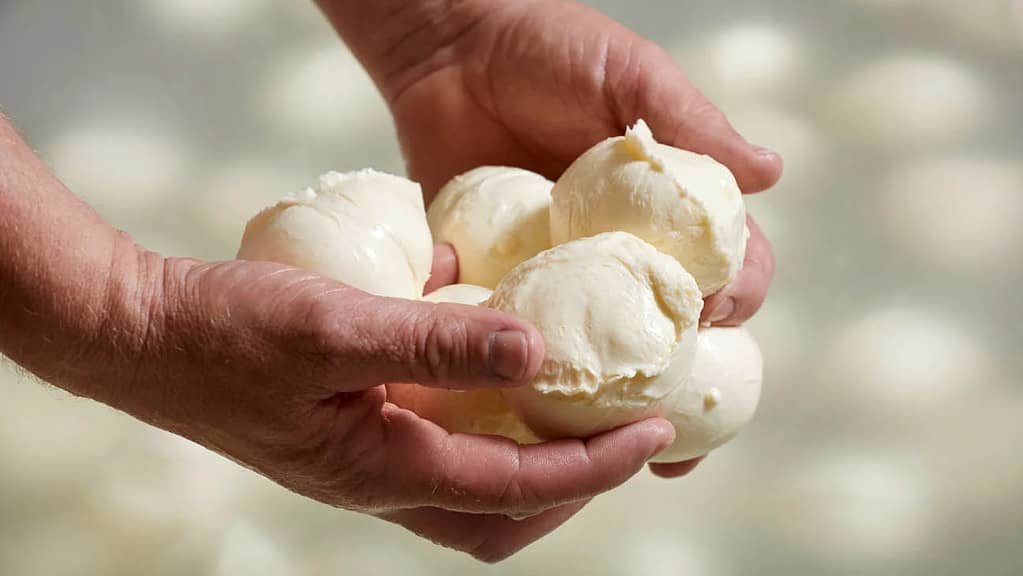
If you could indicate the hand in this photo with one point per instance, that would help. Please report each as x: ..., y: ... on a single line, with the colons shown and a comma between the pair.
x: 445, y: 271
x: 534, y: 84
x: 283, y: 371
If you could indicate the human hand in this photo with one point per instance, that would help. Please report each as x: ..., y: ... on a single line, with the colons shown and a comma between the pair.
x: 283, y: 371
x: 534, y: 84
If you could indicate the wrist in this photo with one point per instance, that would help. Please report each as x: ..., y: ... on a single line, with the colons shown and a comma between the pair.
x: 400, y: 40
x: 71, y: 295
x: 78, y: 323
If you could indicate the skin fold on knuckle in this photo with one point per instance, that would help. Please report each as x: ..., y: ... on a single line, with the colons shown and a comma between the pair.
x: 441, y: 346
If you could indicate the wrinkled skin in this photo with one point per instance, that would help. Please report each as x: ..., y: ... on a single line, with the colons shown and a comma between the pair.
x: 285, y: 371
x: 535, y: 84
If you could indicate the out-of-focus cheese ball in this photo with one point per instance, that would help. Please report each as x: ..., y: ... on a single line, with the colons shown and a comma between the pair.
x: 751, y: 61
x: 618, y: 319
x: 495, y: 217
x: 465, y: 411
x: 687, y: 205
x: 909, y: 100
x: 719, y: 397
x: 972, y: 205
x: 366, y: 229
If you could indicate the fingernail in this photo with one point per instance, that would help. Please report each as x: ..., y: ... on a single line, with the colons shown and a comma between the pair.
x: 722, y: 311
x: 765, y: 152
x: 508, y: 355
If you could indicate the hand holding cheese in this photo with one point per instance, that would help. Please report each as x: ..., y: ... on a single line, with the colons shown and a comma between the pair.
x: 482, y: 411
x: 641, y: 233
x: 618, y: 319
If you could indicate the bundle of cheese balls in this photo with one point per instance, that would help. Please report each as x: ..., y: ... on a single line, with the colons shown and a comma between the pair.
x: 611, y: 264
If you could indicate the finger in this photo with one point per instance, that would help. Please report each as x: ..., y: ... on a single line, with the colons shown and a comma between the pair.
x: 675, y: 469
x: 487, y: 537
x: 445, y: 267
x: 679, y: 115
x: 742, y: 297
x: 490, y: 474
x: 382, y: 340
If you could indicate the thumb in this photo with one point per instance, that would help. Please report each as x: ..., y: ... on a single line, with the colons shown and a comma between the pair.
x: 441, y: 345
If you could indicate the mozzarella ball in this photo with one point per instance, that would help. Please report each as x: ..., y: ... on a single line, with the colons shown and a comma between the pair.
x: 495, y: 217
x: 482, y: 411
x: 687, y: 205
x: 469, y: 411
x: 960, y: 214
x: 720, y: 395
x: 618, y: 319
x: 122, y: 168
x: 909, y: 101
x: 366, y: 229
x: 749, y: 60
x: 319, y: 94
x: 459, y: 294
x: 897, y: 359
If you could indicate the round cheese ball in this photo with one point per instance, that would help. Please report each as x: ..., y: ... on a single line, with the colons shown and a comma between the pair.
x: 618, y: 319
x: 687, y: 205
x: 720, y: 395
x: 459, y: 294
x: 495, y: 217
x: 464, y: 411
x: 366, y: 229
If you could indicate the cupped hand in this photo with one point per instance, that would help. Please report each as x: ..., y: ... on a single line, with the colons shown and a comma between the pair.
x: 535, y: 83
x: 283, y: 371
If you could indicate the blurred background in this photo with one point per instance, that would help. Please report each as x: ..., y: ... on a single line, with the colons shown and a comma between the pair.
x: 890, y: 434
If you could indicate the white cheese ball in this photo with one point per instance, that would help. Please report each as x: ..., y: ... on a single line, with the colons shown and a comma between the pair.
x: 720, y: 396
x: 463, y: 411
x: 618, y: 319
x: 459, y: 294
x: 366, y: 229
x: 687, y: 205
x: 495, y: 217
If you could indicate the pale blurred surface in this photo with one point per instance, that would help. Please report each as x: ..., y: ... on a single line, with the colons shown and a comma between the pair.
x: 890, y: 431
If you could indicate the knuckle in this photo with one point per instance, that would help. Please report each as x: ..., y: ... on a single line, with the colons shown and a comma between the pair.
x: 698, y: 109
x: 320, y: 330
x: 518, y: 498
x: 512, y: 496
x: 440, y: 348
